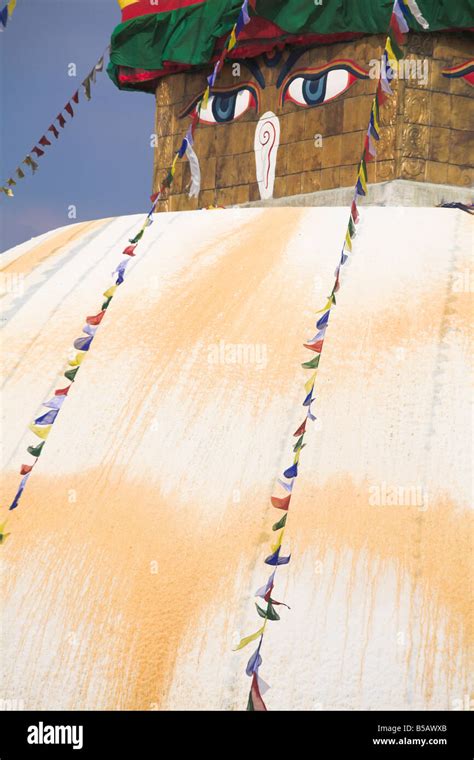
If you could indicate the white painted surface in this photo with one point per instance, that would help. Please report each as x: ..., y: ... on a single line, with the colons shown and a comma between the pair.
x: 161, y: 456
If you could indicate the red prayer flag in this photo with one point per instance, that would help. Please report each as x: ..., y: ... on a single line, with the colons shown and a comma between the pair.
x: 97, y: 319
x: 397, y: 32
x: 381, y: 94
x: 318, y: 346
x: 62, y: 391
x: 301, y: 430
x: 283, y: 503
x: 268, y: 598
x: 38, y: 151
x: 354, y: 212
x: 53, y: 129
x: 61, y: 120
x: 68, y: 108
x: 75, y: 97
x: 25, y: 469
x: 268, y: 595
x: 257, y: 701
x: 44, y: 141
x: 194, y: 121
x: 129, y: 250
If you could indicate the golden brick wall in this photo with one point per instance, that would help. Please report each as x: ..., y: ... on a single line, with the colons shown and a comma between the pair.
x: 426, y: 130
x: 435, y: 141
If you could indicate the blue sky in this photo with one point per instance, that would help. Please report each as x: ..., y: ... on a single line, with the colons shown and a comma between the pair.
x: 102, y: 162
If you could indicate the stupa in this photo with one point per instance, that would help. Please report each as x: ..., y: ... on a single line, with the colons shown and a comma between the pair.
x: 141, y: 541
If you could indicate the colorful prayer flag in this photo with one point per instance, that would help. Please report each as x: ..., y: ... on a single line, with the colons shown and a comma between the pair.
x: 275, y: 559
x: 35, y: 451
x: 42, y: 431
x: 48, y: 418
x: 255, y: 702
x: 248, y: 639
x: 281, y: 503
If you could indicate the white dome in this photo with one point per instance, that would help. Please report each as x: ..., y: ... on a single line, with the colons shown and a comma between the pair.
x: 139, y: 541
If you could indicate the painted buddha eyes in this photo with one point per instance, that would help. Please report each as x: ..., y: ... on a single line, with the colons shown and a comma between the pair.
x: 311, y: 87
x: 226, y: 106
x: 305, y: 87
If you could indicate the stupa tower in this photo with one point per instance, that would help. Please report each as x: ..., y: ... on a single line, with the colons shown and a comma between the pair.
x: 288, y: 116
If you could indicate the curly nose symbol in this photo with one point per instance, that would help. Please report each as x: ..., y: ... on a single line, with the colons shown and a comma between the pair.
x: 267, y: 140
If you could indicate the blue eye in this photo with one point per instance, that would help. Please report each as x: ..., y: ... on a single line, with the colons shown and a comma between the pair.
x: 223, y: 107
x: 313, y: 90
x: 310, y: 89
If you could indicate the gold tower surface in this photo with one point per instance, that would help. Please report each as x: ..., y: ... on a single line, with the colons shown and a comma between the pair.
x: 426, y: 129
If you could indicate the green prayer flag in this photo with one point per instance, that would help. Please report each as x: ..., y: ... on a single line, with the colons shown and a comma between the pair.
x: 313, y: 363
x: 71, y: 374
x: 87, y: 87
x: 35, y: 451
x: 281, y: 523
x: 270, y: 613
x: 395, y: 46
x: 299, y: 443
x: 137, y: 237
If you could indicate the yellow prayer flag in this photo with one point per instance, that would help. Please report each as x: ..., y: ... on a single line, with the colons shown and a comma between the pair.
x: 77, y: 359
x: 362, y: 179
x: 232, y: 40
x: 325, y: 308
x: 29, y: 162
x: 297, y: 457
x: 276, y: 546
x: 42, y: 431
x: 205, y: 97
x: 11, y: 7
x: 309, y: 385
x: 172, y: 170
x: 247, y: 639
x: 3, y: 535
x: 392, y: 58
x: 374, y: 114
x: 348, y: 241
x: 110, y: 291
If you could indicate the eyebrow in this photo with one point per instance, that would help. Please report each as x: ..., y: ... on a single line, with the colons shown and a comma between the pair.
x: 252, y: 66
x: 289, y: 63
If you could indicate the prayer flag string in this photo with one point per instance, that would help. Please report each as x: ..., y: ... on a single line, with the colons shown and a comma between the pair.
x: 392, y: 53
x: 43, y: 424
x: 54, y: 130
